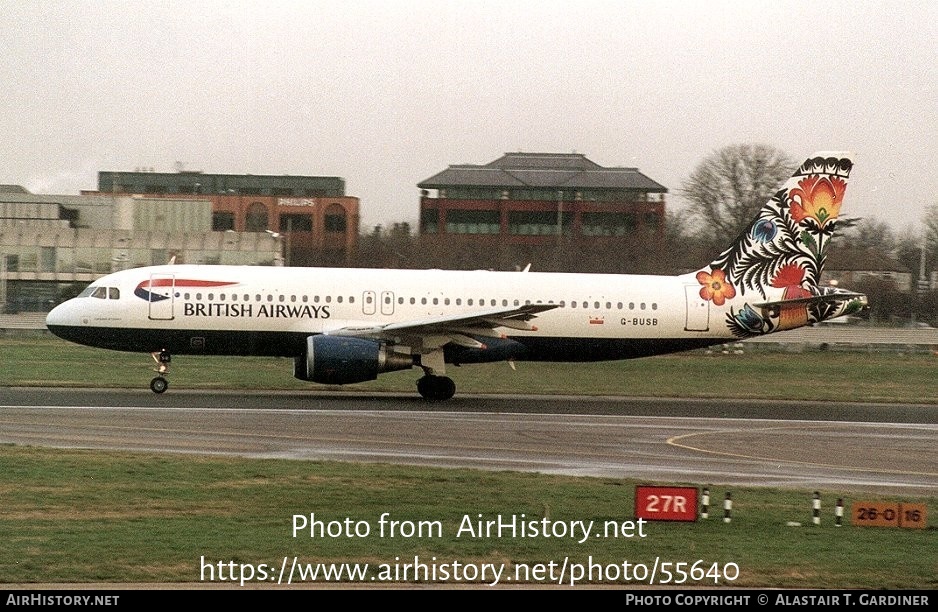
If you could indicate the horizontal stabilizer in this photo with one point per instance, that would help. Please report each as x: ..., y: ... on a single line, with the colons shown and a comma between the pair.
x: 839, y: 296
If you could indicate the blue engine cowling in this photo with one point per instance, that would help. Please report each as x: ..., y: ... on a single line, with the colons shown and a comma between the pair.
x: 337, y: 360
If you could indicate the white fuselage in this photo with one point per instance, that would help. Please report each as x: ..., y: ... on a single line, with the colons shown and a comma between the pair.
x: 141, y: 308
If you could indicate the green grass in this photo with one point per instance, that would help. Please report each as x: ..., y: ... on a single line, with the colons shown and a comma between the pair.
x: 108, y: 517
x: 82, y: 516
x: 758, y: 373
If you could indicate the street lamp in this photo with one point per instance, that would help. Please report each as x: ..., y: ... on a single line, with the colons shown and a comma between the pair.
x: 3, y: 282
x: 278, y: 261
x: 559, y: 215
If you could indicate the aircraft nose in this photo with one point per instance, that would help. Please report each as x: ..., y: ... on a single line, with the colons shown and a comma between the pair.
x: 60, y: 316
x: 55, y: 316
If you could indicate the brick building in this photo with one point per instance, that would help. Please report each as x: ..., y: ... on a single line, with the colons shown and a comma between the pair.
x: 536, y: 198
x: 316, y: 222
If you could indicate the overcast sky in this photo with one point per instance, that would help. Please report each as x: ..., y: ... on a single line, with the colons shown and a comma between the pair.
x: 386, y: 94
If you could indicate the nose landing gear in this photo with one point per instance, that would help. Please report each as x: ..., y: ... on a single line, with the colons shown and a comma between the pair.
x: 159, y: 384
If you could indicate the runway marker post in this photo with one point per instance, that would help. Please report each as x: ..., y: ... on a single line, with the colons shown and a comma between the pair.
x: 705, y: 504
x: 839, y: 512
x: 816, y: 509
x: 727, y: 507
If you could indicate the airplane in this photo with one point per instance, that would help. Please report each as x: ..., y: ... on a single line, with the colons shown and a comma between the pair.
x: 345, y: 326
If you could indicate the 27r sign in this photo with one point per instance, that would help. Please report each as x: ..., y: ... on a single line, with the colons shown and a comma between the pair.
x: 666, y: 503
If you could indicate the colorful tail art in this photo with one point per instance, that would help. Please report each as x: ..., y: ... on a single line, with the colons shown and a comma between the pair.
x: 770, y: 276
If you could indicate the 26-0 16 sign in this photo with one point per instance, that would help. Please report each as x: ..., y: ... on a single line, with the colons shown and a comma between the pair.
x: 666, y: 503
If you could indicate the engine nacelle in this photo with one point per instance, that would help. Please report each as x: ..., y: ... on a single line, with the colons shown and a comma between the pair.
x: 338, y: 360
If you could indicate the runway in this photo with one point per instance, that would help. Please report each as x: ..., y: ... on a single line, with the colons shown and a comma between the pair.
x: 875, y: 448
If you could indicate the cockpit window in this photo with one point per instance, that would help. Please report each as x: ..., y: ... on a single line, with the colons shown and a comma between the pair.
x: 102, y: 293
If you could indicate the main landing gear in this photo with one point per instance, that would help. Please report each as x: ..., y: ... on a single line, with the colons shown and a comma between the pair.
x: 159, y: 384
x: 433, y: 386
x: 436, y: 388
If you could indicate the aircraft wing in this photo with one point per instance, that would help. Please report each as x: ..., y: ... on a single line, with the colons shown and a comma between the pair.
x: 437, y: 331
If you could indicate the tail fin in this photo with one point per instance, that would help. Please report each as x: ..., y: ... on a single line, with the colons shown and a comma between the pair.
x: 769, y: 277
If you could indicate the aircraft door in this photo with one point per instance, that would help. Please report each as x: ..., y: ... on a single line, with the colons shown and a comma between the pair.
x: 698, y: 310
x: 161, y: 294
x: 387, y: 302
x: 368, y: 303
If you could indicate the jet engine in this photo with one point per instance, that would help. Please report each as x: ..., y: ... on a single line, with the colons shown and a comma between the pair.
x: 338, y: 360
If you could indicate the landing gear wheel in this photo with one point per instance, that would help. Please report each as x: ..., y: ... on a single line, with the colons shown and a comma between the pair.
x: 162, y: 359
x: 159, y: 384
x: 436, y: 388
